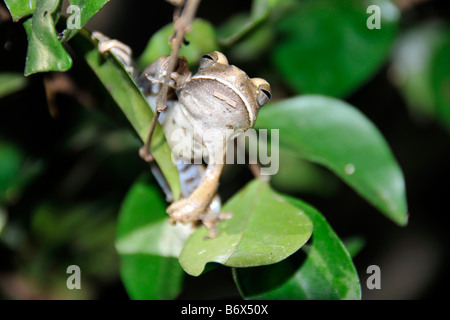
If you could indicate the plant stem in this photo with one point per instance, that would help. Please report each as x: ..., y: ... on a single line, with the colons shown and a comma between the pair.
x: 182, y: 24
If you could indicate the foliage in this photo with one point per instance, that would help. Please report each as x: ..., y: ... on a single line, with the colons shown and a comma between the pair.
x: 317, y: 53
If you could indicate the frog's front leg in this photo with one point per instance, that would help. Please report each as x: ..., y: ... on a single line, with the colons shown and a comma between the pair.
x: 119, y: 49
x: 194, y: 207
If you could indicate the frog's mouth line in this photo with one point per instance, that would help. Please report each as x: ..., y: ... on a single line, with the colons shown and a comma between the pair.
x: 251, y: 116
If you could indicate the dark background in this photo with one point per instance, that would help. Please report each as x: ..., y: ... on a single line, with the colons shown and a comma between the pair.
x: 413, y: 259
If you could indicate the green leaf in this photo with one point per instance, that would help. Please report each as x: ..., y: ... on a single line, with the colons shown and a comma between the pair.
x: 336, y: 135
x: 79, y: 17
x: 131, y: 101
x: 20, y: 8
x: 421, y: 70
x: 45, y: 52
x: 148, y: 245
x: 327, y: 272
x: 148, y: 277
x: 264, y: 229
x: 11, y: 82
x: 201, y: 38
x: 326, y: 47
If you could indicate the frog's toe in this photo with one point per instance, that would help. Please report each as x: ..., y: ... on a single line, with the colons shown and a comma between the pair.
x: 211, y: 220
x: 183, y: 211
x: 118, y: 48
x: 225, y: 215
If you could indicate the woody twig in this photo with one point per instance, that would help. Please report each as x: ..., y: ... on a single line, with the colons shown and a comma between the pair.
x: 183, y: 16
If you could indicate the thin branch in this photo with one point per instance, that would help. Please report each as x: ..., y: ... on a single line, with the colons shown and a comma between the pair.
x: 256, y: 171
x: 4, y: 14
x: 404, y: 5
x: 182, y: 26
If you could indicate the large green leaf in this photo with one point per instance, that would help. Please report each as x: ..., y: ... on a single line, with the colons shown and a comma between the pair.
x: 85, y: 11
x: 336, y: 135
x: 20, y: 8
x: 45, y: 52
x: 201, y: 38
x: 148, y: 245
x: 264, y: 229
x: 149, y: 277
x: 327, y: 48
x: 326, y: 273
x: 131, y: 101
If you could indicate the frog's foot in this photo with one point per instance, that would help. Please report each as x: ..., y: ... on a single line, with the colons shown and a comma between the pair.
x: 185, y: 211
x: 119, y: 49
x: 211, y: 220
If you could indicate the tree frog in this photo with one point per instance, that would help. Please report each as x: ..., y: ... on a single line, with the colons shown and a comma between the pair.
x: 204, y: 111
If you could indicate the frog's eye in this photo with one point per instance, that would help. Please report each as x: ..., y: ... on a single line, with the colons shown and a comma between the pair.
x: 263, y: 94
x: 211, y: 58
x: 206, y: 61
